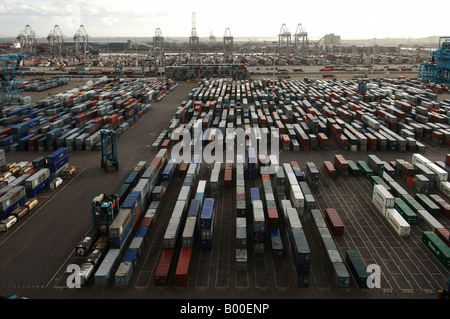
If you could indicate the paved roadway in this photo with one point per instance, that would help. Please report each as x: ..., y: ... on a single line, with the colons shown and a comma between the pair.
x: 36, y: 252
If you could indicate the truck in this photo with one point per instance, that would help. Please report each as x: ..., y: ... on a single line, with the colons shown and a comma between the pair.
x: 104, y: 208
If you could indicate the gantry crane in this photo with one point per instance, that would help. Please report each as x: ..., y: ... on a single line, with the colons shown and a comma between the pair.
x: 56, y: 41
x: 10, y: 77
x: 27, y: 41
x: 227, y: 40
x: 158, y: 40
x: 108, y: 140
x: 194, y: 41
x: 300, y: 37
x: 284, y: 37
x: 438, y: 70
x: 81, y: 40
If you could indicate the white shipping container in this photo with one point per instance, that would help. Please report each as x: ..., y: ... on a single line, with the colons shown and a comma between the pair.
x: 171, y: 234
x: 382, y: 198
x: 184, y: 193
x: 189, y: 232
x: 201, y: 187
x: 293, y: 218
x: 445, y: 188
x: 419, y: 159
x: 398, y: 223
x: 441, y: 175
x: 431, y: 222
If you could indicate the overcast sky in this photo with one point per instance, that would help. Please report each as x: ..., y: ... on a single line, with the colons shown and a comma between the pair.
x: 351, y: 19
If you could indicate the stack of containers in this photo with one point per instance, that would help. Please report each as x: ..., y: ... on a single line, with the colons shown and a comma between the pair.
x: 443, y: 205
x: 375, y: 164
x: 341, y: 165
x: 382, y: 199
x: 58, y: 161
x: 294, y: 190
x: 241, y: 244
x: 11, y: 200
x: 259, y: 226
x: 133, y: 254
x: 310, y: 202
x: 251, y: 164
x: 299, y: 249
x: 188, y: 237
x: 312, y: 175
x: 207, y: 224
x: 37, y: 182
x: 241, y: 203
x: 385, y: 203
x: 329, y: 168
x: 336, y: 264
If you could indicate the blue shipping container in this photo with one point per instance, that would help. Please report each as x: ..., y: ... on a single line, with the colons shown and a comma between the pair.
x: 32, y: 192
x: 57, y: 155
x: 194, y: 208
x: 132, y: 179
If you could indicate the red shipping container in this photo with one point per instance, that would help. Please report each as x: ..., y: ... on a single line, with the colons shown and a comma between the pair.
x: 444, y: 209
x: 334, y: 221
x: 228, y: 166
x: 52, y: 118
x: 265, y: 177
x: 164, y: 267
x: 443, y: 234
x: 182, y: 270
x: 184, y: 166
x: 147, y: 222
x: 340, y: 162
x: 228, y: 177
x: 272, y: 220
x: 329, y: 168
x: 113, y: 118
x: 166, y: 143
x: 156, y: 162
x: 240, y: 196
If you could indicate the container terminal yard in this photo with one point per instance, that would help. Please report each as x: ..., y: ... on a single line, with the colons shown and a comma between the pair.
x: 96, y: 203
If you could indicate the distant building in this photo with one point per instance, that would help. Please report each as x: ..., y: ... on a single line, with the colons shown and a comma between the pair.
x: 332, y: 39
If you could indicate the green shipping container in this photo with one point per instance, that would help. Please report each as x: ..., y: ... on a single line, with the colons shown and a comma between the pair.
x: 412, y: 203
x: 353, y: 168
x: 437, y: 247
x: 406, y: 211
x: 428, y: 204
x: 357, y: 267
x: 378, y: 180
x: 365, y: 169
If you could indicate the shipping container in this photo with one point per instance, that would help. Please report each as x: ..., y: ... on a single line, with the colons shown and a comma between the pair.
x: 334, y: 222
x: 164, y: 267
x: 406, y: 211
x: 437, y: 247
x: 357, y: 267
x: 397, y: 222
x: 107, y: 268
x: 182, y: 268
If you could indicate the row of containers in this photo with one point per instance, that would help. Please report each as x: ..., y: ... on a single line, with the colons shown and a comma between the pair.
x: 122, y: 223
x: 24, y: 181
x: 401, y: 207
x: 73, y: 119
x: 309, y: 114
x: 201, y: 71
